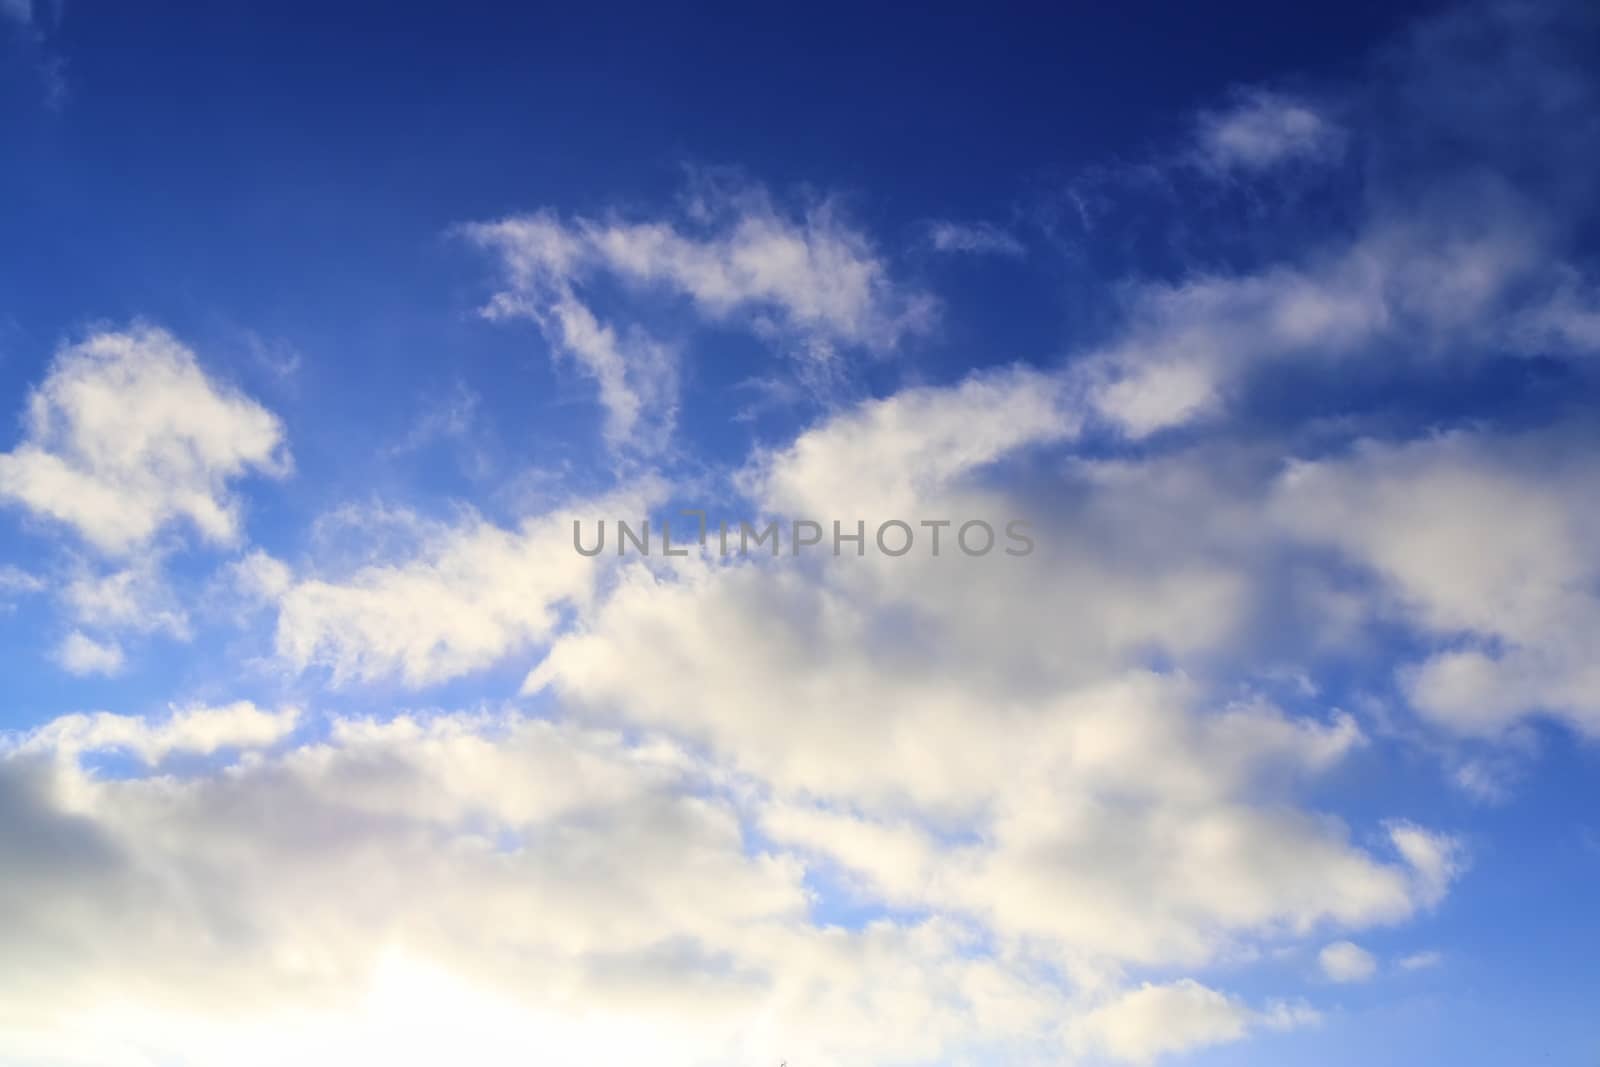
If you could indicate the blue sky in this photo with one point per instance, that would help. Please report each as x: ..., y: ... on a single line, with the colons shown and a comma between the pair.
x: 319, y: 330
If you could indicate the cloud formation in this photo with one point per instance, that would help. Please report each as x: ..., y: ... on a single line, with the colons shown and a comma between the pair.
x: 1264, y: 129
x: 856, y: 810
x: 470, y: 594
x: 1481, y: 540
x: 808, y: 279
x: 127, y: 435
x: 1147, y: 1022
x: 80, y: 654
x: 1345, y: 961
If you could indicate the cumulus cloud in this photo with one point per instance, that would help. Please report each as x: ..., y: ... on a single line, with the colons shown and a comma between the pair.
x: 808, y: 277
x: 468, y: 595
x: 128, y: 435
x: 197, y: 730
x: 1345, y: 961
x: 1032, y: 733
x: 1062, y: 788
x: 1477, y: 536
x: 985, y: 747
x: 884, y: 457
x: 1154, y: 1020
x: 500, y: 887
x: 80, y: 654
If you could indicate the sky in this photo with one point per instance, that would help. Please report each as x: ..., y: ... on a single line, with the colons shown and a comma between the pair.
x: 1263, y: 341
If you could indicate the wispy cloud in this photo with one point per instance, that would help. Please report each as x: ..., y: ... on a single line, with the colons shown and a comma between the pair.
x: 81, y: 654
x: 1263, y: 129
x: 974, y: 238
x: 806, y: 278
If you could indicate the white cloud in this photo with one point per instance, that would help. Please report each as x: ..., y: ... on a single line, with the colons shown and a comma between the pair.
x: 974, y: 238
x: 21, y: 10
x: 197, y: 730
x: 1345, y: 961
x: 808, y: 277
x: 1045, y: 778
x: 982, y: 746
x: 897, y: 859
x: 469, y: 595
x: 889, y: 704
x: 1419, y: 289
x: 1449, y: 256
x: 1476, y: 536
x: 15, y: 581
x: 478, y: 885
x: 127, y: 434
x: 133, y: 598
x: 1435, y: 860
x: 81, y: 654
x: 1266, y: 129
x: 882, y: 458
x: 1155, y: 1020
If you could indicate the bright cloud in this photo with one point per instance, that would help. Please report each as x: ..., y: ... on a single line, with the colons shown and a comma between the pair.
x: 80, y: 654
x: 339, y: 875
x: 198, y: 730
x: 1155, y: 1019
x: 471, y: 594
x: 127, y: 435
x: 1481, y: 537
x: 1345, y: 961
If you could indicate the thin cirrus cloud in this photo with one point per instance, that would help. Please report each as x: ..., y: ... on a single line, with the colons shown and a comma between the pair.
x: 974, y: 238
